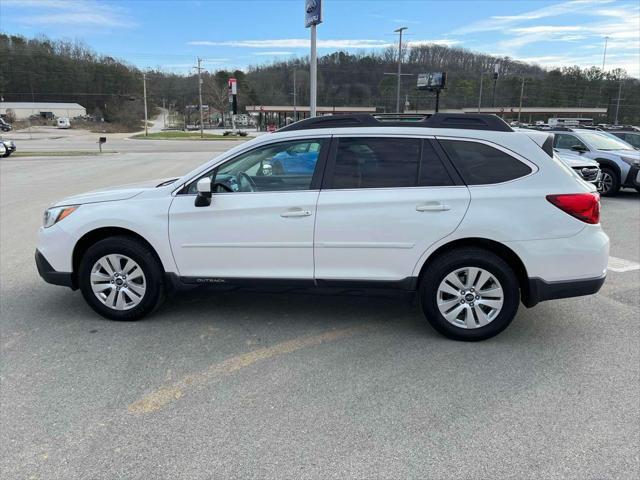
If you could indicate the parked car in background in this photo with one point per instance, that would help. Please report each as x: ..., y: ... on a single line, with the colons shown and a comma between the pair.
x: 297, y: 159
x: 618, y: 160
x: 460, y: 209
x: 631, y: 135
x: 63, y: 122
x: 8, y: 147
x: 585, y: 168
x: 4, y: 126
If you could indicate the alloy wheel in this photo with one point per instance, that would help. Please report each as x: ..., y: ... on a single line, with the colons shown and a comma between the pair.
x: 607, y: 182
x: 118, y: 282
x: 470, y: 297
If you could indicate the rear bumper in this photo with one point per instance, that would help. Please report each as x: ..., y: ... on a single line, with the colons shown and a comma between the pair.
x: 50, y: 275
x: 539, y: 290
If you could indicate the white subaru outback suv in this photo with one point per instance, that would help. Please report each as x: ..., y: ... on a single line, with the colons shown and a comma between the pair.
x: 461, y: 209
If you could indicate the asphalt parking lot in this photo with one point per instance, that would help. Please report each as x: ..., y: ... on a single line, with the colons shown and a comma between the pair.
x: 298, y: 385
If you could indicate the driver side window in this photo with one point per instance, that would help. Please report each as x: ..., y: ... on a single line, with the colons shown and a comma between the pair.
x: 565, y: 142
x: 281, y: 166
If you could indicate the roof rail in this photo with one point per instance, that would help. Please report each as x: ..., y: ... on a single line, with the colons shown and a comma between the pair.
x: 471, y: 121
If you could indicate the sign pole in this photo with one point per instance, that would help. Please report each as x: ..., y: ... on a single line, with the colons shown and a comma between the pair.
x: 313, y: 74
x: 312, y: 17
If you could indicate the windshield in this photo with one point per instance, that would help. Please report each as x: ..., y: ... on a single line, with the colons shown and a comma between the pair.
x: 603, y: 141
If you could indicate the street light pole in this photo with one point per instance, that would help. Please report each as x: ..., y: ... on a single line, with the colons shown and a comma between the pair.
x: 604, y: 54
x: 399, y: 31
x: 618, y: 103
x: 521, y: 96
x: 295, y: 103
x: 496, y: 74
x: 200, y: 97
x: 144, y: 92
x: 480, y: 94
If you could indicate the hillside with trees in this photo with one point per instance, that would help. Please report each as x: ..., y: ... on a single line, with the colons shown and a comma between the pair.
x: 46, y: 70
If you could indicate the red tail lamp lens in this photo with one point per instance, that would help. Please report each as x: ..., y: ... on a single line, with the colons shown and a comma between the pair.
x: 583, y: 206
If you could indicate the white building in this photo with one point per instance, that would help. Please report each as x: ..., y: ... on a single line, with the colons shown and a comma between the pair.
x: 23, y: 110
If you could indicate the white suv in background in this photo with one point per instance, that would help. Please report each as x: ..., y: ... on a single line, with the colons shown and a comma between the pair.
x: 471, y: 215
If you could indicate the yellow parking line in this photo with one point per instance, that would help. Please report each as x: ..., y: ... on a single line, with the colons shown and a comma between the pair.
x: 158, y: 399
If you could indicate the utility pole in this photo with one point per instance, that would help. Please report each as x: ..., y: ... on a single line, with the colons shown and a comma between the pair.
x: 521, y: 97
x: 480, y: 94
x: 200, y: 96
x: 618, y: 103
x: 604, y: 55
x: 144, y: 92
x: 164, y: 114
x: 399, y: 31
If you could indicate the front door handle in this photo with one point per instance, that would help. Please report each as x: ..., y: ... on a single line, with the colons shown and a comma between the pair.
x: 433, y: 207
x: 297, y: 212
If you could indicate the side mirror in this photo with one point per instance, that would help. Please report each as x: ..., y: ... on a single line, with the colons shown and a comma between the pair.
x: 578, y: 148
x: 204, y: 192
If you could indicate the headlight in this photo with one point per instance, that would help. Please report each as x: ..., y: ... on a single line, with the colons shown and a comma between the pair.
x: 631, y: 161
x: 55, y: 214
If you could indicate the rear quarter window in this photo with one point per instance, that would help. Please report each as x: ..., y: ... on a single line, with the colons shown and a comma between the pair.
x: 481, y: 164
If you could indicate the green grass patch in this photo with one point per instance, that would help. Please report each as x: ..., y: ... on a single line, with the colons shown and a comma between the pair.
x: 74, y: 153
x: 180, y: 135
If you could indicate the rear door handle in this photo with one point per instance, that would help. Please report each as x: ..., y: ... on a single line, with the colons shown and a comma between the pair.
x: 433, y: 207
x: 297, y: 212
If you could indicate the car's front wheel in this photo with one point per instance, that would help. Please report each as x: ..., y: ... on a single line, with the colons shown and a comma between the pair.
x: 610, y: 183
x: 121, y: 278
x: 469, y: 294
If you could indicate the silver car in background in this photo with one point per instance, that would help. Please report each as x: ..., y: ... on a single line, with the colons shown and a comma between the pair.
x: 585, y: 168
x: 619, y: 161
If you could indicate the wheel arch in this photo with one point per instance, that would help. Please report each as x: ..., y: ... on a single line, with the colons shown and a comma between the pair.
x: 605, y: 162
x: 93, y: 236
x: 500, y: 249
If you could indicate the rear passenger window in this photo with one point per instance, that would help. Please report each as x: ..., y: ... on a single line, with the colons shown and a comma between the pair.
x: 480, y: 164
x: 432, y: 171
x: 376, y: 162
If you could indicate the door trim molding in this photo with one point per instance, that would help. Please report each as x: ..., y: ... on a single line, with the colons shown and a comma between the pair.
x: 249, y: 245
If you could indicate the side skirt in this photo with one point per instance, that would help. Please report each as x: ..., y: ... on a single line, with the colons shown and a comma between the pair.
x: 408, y: 284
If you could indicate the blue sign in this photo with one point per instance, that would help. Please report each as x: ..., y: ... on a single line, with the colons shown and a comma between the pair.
x: 312, y: 12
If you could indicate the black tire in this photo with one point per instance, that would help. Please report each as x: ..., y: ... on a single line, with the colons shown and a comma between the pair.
x: 459, y: 258
x: 144, y: 257
x: 615, y: 183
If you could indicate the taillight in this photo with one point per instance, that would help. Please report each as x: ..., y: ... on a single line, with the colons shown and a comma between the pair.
x: 583, y: 206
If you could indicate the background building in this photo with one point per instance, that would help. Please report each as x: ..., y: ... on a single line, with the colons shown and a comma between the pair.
x: 24, y: 110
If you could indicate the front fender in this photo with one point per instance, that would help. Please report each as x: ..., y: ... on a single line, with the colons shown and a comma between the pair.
x: 146, y: 217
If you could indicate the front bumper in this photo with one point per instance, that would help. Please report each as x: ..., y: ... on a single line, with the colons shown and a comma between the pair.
x: 50, y: 275
x: 590, y: 175
x: 633, y: 177
x: 539, y: 290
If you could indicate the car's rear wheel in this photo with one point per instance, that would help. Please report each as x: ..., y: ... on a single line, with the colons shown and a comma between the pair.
x: 469, y: 294
x: 121, y: 278
x: 610, y: 183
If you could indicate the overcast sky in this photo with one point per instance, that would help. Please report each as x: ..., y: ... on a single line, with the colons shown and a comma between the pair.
x: 234, y: 34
